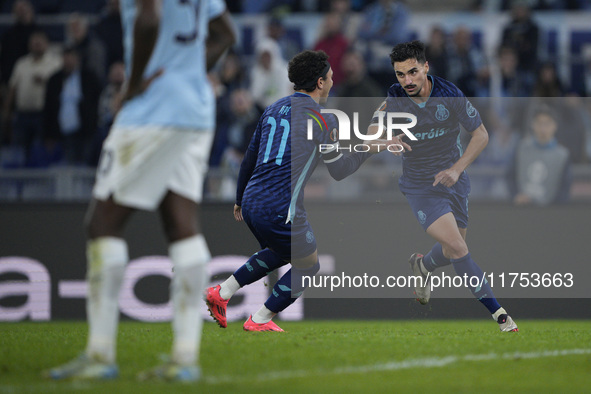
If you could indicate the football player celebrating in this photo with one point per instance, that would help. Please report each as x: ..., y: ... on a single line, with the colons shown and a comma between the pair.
x: 270, y: 194
x: 434, y: 180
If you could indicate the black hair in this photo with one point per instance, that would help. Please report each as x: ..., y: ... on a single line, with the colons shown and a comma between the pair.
x: 306, y: 67
x: 408, y: 50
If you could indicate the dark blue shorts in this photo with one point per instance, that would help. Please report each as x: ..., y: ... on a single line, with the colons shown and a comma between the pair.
x: 289, y: 241
x: 430, y: 207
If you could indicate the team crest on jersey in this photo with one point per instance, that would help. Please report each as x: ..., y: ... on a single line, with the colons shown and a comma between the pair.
x: 309, y: 237
x: 422, y: 217
x: 442, y: 113
x: 470, y: 110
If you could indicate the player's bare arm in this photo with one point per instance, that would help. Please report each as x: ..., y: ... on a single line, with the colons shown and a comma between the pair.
x: 145, y: 34
x: 221, y: 37
x: 478, y: 142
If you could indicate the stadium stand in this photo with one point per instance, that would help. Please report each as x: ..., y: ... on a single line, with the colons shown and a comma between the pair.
x: 564, y: 41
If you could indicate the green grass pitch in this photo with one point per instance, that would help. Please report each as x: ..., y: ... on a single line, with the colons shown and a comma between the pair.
x: 321, y: 356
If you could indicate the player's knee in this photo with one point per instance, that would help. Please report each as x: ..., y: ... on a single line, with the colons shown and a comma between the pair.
x: 179, y: 228
x: 95, y: 227
x: 455, y: 249
x: 89, y: 229
x: 176, y: 233
x: 306, y: 262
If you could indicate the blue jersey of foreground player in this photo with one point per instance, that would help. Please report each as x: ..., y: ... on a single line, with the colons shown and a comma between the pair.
x: 280, y: 159
x: 182, y: 95
x: 437, y: 131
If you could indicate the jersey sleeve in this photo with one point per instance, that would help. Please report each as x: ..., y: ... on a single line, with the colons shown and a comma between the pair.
x: 340, y: 165
x: 326, y: 137
x: 380, y: 112
x: 248, y: 164
x: 468, y: 115
x: 215, y: 9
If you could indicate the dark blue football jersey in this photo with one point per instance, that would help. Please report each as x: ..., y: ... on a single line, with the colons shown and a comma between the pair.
x: 285, y: 159
x: 437, y: 131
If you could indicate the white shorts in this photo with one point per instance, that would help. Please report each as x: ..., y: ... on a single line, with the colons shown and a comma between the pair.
x: 139, y: 165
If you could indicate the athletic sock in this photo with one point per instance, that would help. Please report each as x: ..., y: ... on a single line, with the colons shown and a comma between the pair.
x: 483, y: 291
x: 258, y: 266
x: 499, y: 313
x: 189, y: 258
x: 263, y: 315
x: 106, y: 257
x: 283, y: 295
x: 435, y: 258
x: 229, y: 287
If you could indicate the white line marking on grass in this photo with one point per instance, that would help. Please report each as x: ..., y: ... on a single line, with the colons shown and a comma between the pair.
x: 429, y: 362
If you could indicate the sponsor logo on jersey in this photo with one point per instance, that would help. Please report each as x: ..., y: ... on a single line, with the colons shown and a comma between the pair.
x: 433, y: 133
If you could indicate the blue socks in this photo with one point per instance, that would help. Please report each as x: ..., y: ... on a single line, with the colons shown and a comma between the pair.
x: 258, y: 266
x: 289, y: 287
x: 435, y: 258
x: 483, y: 293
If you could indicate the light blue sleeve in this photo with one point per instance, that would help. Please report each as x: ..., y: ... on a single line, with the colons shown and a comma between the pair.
x: 215, y: 9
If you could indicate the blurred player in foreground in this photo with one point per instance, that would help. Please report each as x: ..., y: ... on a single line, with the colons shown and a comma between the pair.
x: 433, y: 180
x: 274, y: 172
x: 155, y: 158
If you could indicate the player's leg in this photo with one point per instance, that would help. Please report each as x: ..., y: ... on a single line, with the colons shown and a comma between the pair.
x: 256, y: 267
x: 435, y: 258
x: 188, y: 250
x: 106, y: 258
x: 285, y: 292
x: 300, y: 245
x: 427, y: 209
x: 445, y: 231
x: 189, y: 254
x: 452, y: 239
x: 505, y: 321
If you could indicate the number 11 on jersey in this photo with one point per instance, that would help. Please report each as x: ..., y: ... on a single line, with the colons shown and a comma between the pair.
x: 285, y: 124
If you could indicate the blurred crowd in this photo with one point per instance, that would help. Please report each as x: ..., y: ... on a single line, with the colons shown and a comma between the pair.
x: 259, y: 6
x: 57, y: 98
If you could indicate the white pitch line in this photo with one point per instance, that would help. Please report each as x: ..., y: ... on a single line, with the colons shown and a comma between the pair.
x: 431, y: 362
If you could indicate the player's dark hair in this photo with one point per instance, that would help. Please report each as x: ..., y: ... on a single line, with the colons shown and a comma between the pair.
x: 306, y: 67
x: 408, y: 50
